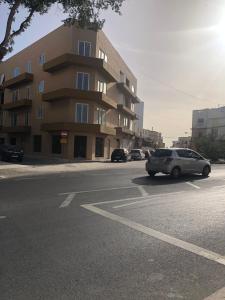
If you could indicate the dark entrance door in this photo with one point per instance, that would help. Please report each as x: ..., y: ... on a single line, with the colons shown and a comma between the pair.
x: 80, y: 146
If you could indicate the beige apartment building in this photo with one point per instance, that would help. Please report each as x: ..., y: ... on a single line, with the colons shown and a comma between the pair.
x: 68, y: 95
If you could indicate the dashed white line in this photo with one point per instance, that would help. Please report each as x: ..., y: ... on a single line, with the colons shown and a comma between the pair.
x: 218, y: 295
x: 68, y: 200
x: 2, y: 177
x: 158, y: 235
x: 193, y: 185
x: 151, y: 197
x: 2, y: 217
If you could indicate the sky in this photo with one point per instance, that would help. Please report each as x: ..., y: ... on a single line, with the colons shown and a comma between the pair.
x: 175, y: 48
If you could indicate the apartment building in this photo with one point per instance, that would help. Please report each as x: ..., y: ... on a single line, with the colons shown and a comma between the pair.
x: 209, y: 122
x: 152, y: 138
x: 182, y: 142
x: 139, y: 122
x: 68, y: 95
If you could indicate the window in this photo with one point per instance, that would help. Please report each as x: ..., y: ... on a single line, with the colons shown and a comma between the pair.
x: 183, y: 153
x: 122, y: 77
x: 28, y: 92
x: 1, y: 118
x: 125, y: 122
x: 29, y: 67
x: 102, y: 55
x: 56, y: 145
x: 99, y: 147
x: 26, y: 118
x: 42, y: 59
x: 127, y: 82
x: 37, y: 143
x: 102, y: 87
x: 82, y: 81
x: 84, y: 48
x: 131, y: 125
x: 81, y: 113
x: 13, y: 119
x: 132, y: 89
x: 132, y: 106
x: 16, y: 71
x: 200, y: 120
x: 119, y: 119
x: 41, y: 86
x: 215, y: 132
x: 15, y: 95
x: 40, y: 112
x: 100, y: 116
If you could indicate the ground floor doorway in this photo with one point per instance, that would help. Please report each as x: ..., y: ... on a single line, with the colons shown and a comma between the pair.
x: 80, y: 146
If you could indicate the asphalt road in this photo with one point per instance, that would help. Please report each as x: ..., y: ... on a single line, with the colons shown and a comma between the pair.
x: 112, y: 234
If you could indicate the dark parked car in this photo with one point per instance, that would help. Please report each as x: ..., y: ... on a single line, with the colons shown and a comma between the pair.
x: 11, y: 152
x: 120, y: 154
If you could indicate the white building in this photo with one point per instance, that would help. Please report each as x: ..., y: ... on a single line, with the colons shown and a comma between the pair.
x: 138, y: 124
x: 182, y: 142
x: 209, y: 122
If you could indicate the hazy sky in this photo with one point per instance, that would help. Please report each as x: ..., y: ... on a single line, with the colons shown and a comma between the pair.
x: 176, y: 49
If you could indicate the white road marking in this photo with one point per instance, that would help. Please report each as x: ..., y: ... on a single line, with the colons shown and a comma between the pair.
x: 151, y: 197
x: 142, y: 191
x: 158, y: 235
x: 68, y: 200
x: 193, y: 185
x: 218, y: 295
x: 2, y: 177
x: 101, y: 190
x: 2, y: 217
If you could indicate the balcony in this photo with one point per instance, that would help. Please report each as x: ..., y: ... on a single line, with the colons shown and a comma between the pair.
x: 23, y: 103
x: 16, y: 129
x: 18, y: 80
x: 69, y: 59
x: 78, y: 127
x: 127, y: 111
x: 124, y: 130
x: 67, y: 93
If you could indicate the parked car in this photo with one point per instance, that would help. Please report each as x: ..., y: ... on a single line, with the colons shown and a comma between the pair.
x: 11, y: 152
x: 120, y: 154
x: 177, y: 161
x: 137, y: 154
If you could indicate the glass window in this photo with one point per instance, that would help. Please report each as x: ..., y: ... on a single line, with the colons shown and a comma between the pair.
x: 41, y: 86
x: 81, y: 113
x: 84, y: 48
x: 15, y: 95
x: 100, y: 116
x: 162, y: 153
x: 200, y: 120
x: 14, y: 119
x: 82, y: 81
x: 40, y: 112
x: 102, y: 55
x: 127, y: 82
x: 37, y: 143
x: 42, y: 59
x: 29, y: 67
x: 28, y: 92
x: 16, y: 71
x: 56, y: 145
x: 125, y: 122
x: 132, y: 88
x: 102, y: 87
x: 26, y: 118
x: 99, y: 147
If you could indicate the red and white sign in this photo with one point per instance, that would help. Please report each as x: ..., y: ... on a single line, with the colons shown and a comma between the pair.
x: 64, y: 133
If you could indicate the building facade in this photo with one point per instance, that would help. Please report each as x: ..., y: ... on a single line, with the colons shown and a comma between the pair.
x: 139, y: 123
x: 182, y: 142
x: 151, y: 138
x: 68, y: 95
x: 209, y: 122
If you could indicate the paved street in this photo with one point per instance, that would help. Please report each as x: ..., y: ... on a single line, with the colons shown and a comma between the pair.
x: 112, y: 233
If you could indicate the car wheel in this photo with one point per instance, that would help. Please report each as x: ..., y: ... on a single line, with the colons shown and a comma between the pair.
x: 205, y: 171
x: 151, y: 173
x: 176, y: 172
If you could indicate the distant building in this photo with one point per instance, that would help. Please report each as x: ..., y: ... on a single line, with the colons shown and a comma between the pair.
x: 209, y: 122
x: 152, y: 138
x: 138, y: 124
x: 182, y: 142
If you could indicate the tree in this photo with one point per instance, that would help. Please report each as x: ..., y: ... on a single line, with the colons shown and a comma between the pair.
x: 85, y: 12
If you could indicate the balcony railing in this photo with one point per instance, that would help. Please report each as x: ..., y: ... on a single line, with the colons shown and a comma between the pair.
x: 16, y: 129
x: 69, y: 59
x: 67, y: 93
x: 23, y: 103
x: 123, y: 130
x: 78, y: 127
x: 18, y: 80
x: 127, y: 111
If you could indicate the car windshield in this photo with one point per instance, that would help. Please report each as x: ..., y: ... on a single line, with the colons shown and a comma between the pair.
x: 135, y: 151
x: 118, y: 151
x: 162, y: 153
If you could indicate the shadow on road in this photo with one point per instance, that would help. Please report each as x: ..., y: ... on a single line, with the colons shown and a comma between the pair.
x: 165, y: 179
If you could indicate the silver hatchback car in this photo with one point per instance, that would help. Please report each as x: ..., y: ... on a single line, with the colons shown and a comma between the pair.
x: 177, y: 161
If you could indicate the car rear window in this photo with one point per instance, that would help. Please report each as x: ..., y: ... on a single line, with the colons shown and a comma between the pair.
x: 162, y: 153
x: 118, y: 151
x: 135, y: 151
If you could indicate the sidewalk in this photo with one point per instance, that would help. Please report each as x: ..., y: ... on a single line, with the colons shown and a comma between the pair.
x: 11, y: 170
